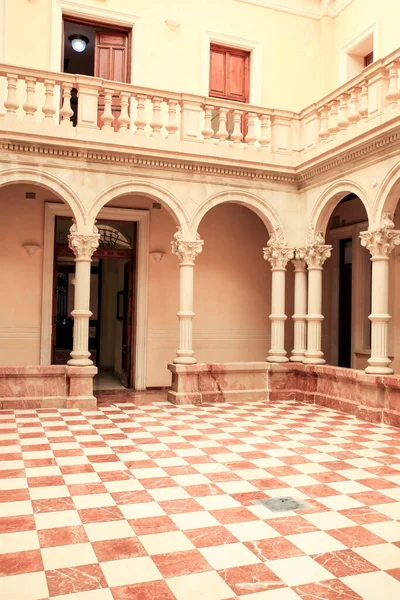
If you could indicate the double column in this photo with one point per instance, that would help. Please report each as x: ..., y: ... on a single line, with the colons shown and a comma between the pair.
x: 300, y: 307
x: 83, y: 246
x: 278, y: 256
x: 380, y: 243
x: 186, y: 251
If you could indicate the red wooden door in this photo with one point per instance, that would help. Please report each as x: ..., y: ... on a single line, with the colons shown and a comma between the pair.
x: 229, y: 79
x: 111, y: 63
x: 229, y: 73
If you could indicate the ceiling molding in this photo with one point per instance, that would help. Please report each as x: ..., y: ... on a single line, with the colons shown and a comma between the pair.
x: 308, y: 9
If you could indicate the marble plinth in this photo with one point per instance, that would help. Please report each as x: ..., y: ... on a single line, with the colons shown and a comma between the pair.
x: 47, y: 386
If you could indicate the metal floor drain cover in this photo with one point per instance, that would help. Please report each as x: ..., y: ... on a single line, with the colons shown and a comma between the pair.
x: 281, y: 504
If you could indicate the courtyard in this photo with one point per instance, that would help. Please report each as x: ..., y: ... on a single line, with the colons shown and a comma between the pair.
x: 143, y: 499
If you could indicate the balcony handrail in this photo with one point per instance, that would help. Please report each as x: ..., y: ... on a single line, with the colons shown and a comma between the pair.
x: 365, y: 75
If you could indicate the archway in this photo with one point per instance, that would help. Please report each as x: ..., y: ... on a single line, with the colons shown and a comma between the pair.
x: 346, y: 278
x: 27, y: 263
x: 150, y: 289
x: 233, y: 281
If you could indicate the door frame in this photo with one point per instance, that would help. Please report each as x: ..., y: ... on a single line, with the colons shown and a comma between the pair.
x: 360, y: 294
x: 69, y: 9
x: 142, y: 218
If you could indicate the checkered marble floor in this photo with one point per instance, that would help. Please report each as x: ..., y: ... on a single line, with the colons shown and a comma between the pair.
x: 160, y: 502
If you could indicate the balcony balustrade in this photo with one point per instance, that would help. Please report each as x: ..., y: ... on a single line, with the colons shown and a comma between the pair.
x: 39, y: 102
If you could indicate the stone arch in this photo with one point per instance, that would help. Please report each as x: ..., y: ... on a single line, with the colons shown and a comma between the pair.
x: 148, y: 189
x: 387, y: 197
x: 247, y: 199
x: 327, y: 201
x: 51, y: 183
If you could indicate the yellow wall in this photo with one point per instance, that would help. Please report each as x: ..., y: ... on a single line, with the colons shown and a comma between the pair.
x: 300, y: 56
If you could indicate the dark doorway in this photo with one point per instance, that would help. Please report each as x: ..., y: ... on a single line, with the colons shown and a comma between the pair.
x: 345, y: 301
x: 112, y: 302
x: 105, y: 54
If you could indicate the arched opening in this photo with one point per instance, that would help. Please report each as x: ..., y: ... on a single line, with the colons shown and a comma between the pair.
x: 346, y: 339
x: 25, y: 265
x: 394, y: 286
x: 135, y: 298
x: 233, y: 287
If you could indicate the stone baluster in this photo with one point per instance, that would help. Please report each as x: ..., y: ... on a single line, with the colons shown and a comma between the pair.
x: 315, y: 254
x: 187, y: 252
x: 251, y: 137
x: 156, y: 123
x: 237, y: 134
x: 354, y: 115
x: 300, y: 307
x: 380, y: 243
x: 323, y: 124
x: 393, y: 93
x: 222, y: 133
x: 83, y: 246
x: 343, y: 121
x: 265, y: 137
x: 333, y: 127
x: 172, y: 125
x: 207, y: 131
x: 49, y: 109
x: 29, y: 105
x: 364, y: 109
x: 278, y: 256
x: 11, y: 103
x: 124, y: 119
x: 107, y: 118
x: 66, y: 111
x: 140, y: 121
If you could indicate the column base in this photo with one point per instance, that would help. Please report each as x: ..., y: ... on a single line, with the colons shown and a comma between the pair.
x: 378, y: 370
x: 297, y: 358
x: 185, y: 360
x: 313, y: 360
x: 80, y: 362
x: 277, y: 359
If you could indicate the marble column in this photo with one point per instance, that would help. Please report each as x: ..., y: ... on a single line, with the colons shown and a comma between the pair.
x: 83, y: 246
x: 278, y: 257
x: 187, y: 252
x: 315, y: 254
x: 380, y: 243
x: 300, y: 307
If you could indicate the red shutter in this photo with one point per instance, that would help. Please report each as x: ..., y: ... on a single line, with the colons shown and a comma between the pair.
x: 229, y: 73
x: 111, y: 62
x: 111, y: 55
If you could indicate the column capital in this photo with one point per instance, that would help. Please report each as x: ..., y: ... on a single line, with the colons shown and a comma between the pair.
x: 186, y: 250
x: 277, y: 254
x: 298, y: 260
x: 316, y: 252
x: 83, y: 245
x: 380, y: 242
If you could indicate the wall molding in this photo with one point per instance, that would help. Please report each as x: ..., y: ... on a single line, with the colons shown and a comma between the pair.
x: 317, y: 9
x: 142, y: 217
x: 19, y: 333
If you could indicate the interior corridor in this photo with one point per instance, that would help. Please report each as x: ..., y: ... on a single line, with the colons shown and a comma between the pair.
x: 159, y: 501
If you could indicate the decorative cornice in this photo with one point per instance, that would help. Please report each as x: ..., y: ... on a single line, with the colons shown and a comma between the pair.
x: 299, y: 177
x: 316, y: 252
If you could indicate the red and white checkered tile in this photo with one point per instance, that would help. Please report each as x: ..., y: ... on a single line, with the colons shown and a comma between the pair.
x: 159, y: 501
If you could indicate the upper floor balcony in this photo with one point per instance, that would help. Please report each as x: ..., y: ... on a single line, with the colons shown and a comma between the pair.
x: 89, y: 114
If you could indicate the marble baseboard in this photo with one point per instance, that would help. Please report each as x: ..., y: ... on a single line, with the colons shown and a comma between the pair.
x: 48, y: 386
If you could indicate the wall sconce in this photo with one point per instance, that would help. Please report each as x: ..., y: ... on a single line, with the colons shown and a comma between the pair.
x: 31, y: 248
x: 157, y: 255
x: 78, y: 42
x: 172, y: 24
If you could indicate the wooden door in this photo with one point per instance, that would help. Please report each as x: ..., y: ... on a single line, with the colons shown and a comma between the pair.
x: 127, y: 377
x: 229, y: 73
x: 229, y: 79
x: 111, y: 63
